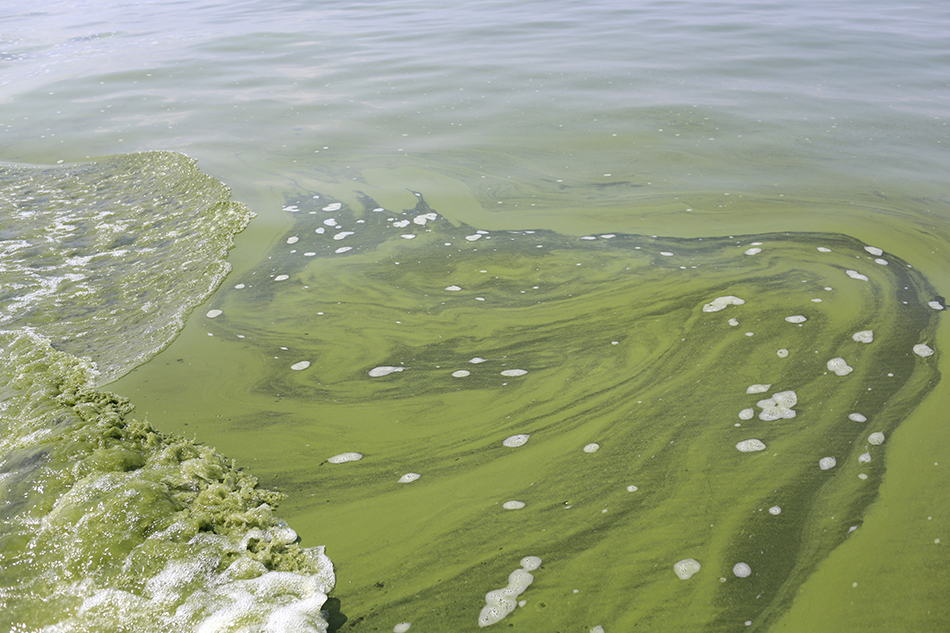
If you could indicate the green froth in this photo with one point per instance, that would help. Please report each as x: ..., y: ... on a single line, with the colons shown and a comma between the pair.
x: 661, y: 403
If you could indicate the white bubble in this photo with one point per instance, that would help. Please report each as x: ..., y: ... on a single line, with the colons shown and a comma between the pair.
x: 923, y: 350
x: 401, y: 224
x: 214, y: 313
x: 281, y: 277
x: 462, y: 373
x: 839, y: 366
x: 747, y: 414
x: 720, y: 303
x: 320, y: 230
x: 514, y: 372
x: 741, y: 570
x: 425, y: 217
x: 864, y: 458
x: 778, y: 407
x: 472, y: 238
x: 775, y: 510
x: 330, y: 222
x: 782, y: 353
x: 733, y: 322
x: 822, y: 249
x: 342, y: 458
x: 336, y: 206
x: 530, y: 563
x: 876, y: 438
x: 301, y: 365
x: 408, y: 236
x: 384, y: 370
x: 292, y: 240
x: 827, y: 462
x: 291, y: 208
x: 343, y: 249
x: 342, y: 234
x: 864, y: 336
x: 593, y: 447
x: 240, y: 286
x: 758, y: 388
x: 753, y: 251
x: 882, y: 262
x: 936, y: 305
x: 597, y: 629
x: 796, y: 319
x: 409, y: 478
x: 874, y: 250
x: 632, y: 488
x: 477, y: 360
x: 516, y: 440
x: 686, y: 568
x: 512, y: 505
x: 750, y: 446
x: 402, y: 627
x: 453, y: 288
x: 856, y: 275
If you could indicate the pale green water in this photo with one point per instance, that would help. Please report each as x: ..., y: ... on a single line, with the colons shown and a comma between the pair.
x: 796, y: 126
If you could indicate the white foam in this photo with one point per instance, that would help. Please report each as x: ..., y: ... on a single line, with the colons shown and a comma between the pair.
x: 733, y: 322
x: 240, y: 286
x: 342, y: 458
x: 409, y: 478
x: 632, y: 488
x: 292, y: 240
x: 501, y: 602
x: 402, y: 627
x: 516, y: 440
x: 597, y: 629
x: 757, y: 388
x: 335, y: 206
x: 778, y: 407
x: 425, y: 217
x: 864, y: 336
x: 856, y: 275
x: 513, y: 505
x: 747, y: 414
x: 453, y: 288
x: 281, y: 277
x: 839, y: 366
x: 775, y: 510
x: 472, y: 238
x: 666, y: 254
x: 593, y: 447
x: 720, y: 303
x: 320, y: 230
x: 330, y: 222
x: 342, y: 235
x: 874, y: 250
x: 401, y: 224
x: 408, y: 236
x: 857, y: 417
x: 384, y: 370
x: 822, y: 249
x: 753, y: 251
x: 514, y: 372
x: 796, y: 319
x: 750, y: 446
x: 864, y: 458
x: 826, y: 463
x: 876, y: 438
x: 477, y: 360
x: 686, y: 568
x: 343, y: 249
x: 301, y: 365
x: 462, y: 373
x: 782, y: 353
x: 923, y: 350
x: 214, y: 313
x: 936, y: 305
x: 882, y: 262
x: 741, y: 570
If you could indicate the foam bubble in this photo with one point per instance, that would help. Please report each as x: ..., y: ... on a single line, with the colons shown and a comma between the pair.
x: 462, y: 373
x: 425, y: 217
x: 281, y: 277
x: 342, y: 458
x: 720, y: 303
x: 384, y: 370
x: 514, y: 372
x: 864, y: 336
x: 516, y: 440
x: 214, y: 313
x: 741, y: 570
x: 826, y: 463
x: 301, y: 365
x: 923, y: 350
x: 343, y: 249
x: 476, y: 360
x: 632, y: 488
x: 778, y: 407
x: 753, y: 251
x: 782, y: 353
x: 882, y: 262
x: 839, y: 366
x: 453, y: 288
x: 330, y: 222
x: 401, y: 224
x: 336, y: 206
x: 472, y: 238
x: 822, y: 249
x: 936, y: 305
x: 876, y: 438
x: 597, y: 629
x: 500, y: 602
x: 856, y: 275
x: 408, y: 236
x: 593, y: 447
x: 857, y: 417
x: 758, y: 388
x: 409, y: 478
x: 292, y: 240
x: 796, y: 319
x: 402, y: 627
x: 342, y: 234
x: 685, y: 568
x: 864, y: 458
x: 320, y: 230
x: 513, y: 505
x: 747, y: 414
x: 750, y: 446
x: 874, y: 250
x: 733, y: 322
x: 775, y: 510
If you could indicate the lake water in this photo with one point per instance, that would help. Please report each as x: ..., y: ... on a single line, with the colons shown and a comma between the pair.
x: 669, y: 275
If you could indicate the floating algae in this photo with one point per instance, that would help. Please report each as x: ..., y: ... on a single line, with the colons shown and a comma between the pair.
x: 628, y: 349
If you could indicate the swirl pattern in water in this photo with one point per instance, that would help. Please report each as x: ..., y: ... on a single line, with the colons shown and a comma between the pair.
x: 664, y: 423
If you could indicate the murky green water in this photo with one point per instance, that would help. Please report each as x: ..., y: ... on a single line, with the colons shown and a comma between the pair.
x: 687, y: 132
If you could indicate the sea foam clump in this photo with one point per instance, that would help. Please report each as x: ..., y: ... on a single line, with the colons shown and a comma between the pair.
x: 839, y: 366
x: 501, y: 602
x: 750, y: 446
x: 778, y: 407
x: 686, y: 568
x: 720, y: 303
